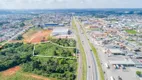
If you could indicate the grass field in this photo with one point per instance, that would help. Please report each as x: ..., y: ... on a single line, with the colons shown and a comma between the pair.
x: 131, y: 31
x: 48, y: 49
x: 16, y: 73
x: 2, y: 42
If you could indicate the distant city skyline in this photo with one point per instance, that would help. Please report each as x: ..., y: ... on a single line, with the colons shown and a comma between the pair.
x: 65, y: 4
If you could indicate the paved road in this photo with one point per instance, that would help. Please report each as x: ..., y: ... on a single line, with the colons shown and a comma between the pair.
x: 91, y: 63
x: 79, y: 59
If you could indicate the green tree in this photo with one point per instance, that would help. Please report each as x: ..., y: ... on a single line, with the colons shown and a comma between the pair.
x: 138, y: 73
x: 20, y: 37
x: 22, y: 24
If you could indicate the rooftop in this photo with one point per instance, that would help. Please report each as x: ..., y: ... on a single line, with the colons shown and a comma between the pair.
x: 125, y: 62
x: 115, y: 51
x: 60, y: 29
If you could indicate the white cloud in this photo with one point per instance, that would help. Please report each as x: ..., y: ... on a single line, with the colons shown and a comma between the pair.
x: 46, y: 4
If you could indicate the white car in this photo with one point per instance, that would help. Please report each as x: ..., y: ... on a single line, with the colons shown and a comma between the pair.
x: 112, y: 78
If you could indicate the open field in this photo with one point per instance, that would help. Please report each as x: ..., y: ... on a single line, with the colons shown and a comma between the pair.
x: 41, y: 35
x: 58, y: 47
x: 30, y: 32
x: 15, y: 41
x: 16, y: 73
x: 27, y: 36
x: 13, y: 54
x: 1, y: 43
x: 36, y: 35
x: 11, y: 71
x: 131, y: 31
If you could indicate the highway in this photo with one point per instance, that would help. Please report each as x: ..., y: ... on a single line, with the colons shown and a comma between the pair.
x: 92, y: 73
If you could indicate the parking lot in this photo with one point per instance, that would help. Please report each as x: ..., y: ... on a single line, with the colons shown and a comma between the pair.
x: 123, y: 73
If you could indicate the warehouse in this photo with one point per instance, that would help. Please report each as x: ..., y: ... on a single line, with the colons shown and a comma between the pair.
x: 129, y: 63
x: 115, y: 52
x: 60, y: 31
x: 122, y: 62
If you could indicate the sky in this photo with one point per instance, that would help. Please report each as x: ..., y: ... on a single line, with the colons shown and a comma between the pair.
x: 65, y: 4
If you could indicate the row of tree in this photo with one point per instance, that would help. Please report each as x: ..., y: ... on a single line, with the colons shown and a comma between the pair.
x: 62, y: 69
x: 65, y: 42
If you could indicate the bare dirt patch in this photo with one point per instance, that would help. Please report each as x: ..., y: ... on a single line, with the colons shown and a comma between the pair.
x: 15, y: 41
x: 37, y: 77
x: 37, y: 37
x: 27, y: 36
x: 11, y: 71
x: 40, y: 36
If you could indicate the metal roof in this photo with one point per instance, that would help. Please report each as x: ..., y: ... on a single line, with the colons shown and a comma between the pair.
x: 124, y: 62
x: 116, y: 51
x: 60, y: 30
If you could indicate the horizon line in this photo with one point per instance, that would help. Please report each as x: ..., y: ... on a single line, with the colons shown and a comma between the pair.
x: 69, y: 8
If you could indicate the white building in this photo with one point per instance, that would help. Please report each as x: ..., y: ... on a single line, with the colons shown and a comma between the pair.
x: 115, y: 52
x: 60, y: 31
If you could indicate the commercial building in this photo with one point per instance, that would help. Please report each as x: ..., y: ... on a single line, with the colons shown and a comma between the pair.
x: 115, y: 52
x: 98, y: 34
x: 53, y: 25
x: 138, y: 55
x: 128, y: 62
x: 60, y: 31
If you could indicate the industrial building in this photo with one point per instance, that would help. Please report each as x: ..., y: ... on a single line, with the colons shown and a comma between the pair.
x: 130, y: 62
x: 53, y: 25
x: 115, y: 52
x: 60, y: 31
x: 122, y: 62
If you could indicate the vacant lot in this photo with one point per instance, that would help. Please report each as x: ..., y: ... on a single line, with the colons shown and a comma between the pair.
x: 29, y: 34
x: 131, y: 31
x: 15, y: 73
x: 36, y: 36
x: 11, y: 71
x: 56, y: 48
x: 14, y: 54
x: 40, y: 36
x: 48, y: 49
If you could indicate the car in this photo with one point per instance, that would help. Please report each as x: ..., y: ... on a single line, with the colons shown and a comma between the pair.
x: 117, y: 66
x: 123, y: 67
x: 119, y: 78
x: 112, y: 78
x: 107, y: 66
x: 89, y: 66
